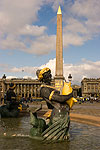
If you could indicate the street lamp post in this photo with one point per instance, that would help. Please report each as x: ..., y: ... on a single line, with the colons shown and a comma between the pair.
x: 70, y: 78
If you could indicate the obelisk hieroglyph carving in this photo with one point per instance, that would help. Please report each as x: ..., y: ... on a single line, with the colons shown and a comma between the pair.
x: 59, y: 52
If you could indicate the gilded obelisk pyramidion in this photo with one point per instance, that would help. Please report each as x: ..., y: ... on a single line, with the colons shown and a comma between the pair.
x: 59, y: 52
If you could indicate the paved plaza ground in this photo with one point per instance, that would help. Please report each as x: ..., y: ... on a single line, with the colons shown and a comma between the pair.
x: 88, y: 113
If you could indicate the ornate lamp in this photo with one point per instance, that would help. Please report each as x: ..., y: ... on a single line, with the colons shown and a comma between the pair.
x: 70, y: 78
x: 4, y: 77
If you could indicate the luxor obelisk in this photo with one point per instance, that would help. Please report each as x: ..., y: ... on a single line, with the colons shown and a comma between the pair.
x: 59, y: 52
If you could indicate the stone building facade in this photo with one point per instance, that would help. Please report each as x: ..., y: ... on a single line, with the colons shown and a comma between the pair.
x: 24, y: 87
x: 90, y: 87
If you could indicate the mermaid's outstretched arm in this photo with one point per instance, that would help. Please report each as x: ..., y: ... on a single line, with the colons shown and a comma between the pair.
x: 50, y: 93
x: 61, y: 98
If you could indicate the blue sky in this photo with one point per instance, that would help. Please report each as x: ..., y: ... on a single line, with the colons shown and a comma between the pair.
x: 28, y: 37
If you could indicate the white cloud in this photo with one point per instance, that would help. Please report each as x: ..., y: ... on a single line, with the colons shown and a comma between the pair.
x: 81, y: 21
x: 24, y: 77
x: 75, y: 26
x: 16, y: 18
x: 18, y: 23
x: 56, y: 4
x: 73, y: 39
x: 33, y: 30
x: 18, y: 13
x: 87, y: 8
x: 12, y: 43
x: 86, y: 68
x: 25, y: 69
x: 28, y: 77
x: 10, y: 77
x: 51, y: 65
x: 43, y: 45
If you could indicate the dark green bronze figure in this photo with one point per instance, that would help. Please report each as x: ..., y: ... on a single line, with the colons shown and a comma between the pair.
x: 11, y: 106
x: 58, y: 127
x: 39, y: 125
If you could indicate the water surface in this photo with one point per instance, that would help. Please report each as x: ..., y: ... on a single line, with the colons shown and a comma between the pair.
x: 14, y: 135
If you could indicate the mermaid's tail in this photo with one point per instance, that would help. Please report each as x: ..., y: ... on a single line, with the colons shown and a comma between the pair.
x: 59, y: 130
x: 39, y: 124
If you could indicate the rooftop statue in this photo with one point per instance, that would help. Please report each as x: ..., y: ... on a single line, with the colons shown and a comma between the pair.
x: 59, y: 110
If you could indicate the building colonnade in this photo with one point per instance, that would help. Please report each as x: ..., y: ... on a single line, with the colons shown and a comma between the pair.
x: 23, y: 87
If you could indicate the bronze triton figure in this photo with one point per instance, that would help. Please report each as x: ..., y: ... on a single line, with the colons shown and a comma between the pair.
x: 11, y: 107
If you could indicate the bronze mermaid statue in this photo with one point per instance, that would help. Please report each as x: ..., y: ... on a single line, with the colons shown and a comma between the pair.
x: 59, y: 106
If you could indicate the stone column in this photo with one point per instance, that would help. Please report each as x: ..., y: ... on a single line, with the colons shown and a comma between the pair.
x: 28, y: 91
x: 15, y: 89
x: 59, y: 53
x: 18, y: 89
x: 21, y: 88
x: 35, y: 91
x: 24, y: 90
x: 31, y: 91
x: 59, y: 45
